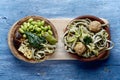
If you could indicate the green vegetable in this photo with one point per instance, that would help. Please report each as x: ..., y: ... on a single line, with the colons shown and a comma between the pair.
x: 49, y: 27
x: 39, y: 23
x: 30, y: 20
x: 45, y: 28
x: 37, y: 28
x: 42, y: 22
x: 50, y: 32
x: 24, y: 23
x: 42, y: 28
x: 34, y: 40
x: 51, y: 39
x: 30, y: 27
x: 21, y: 30
x: 33, y: 22
x: 22, y: 27
x: 24, y: 35
x: 87, y: 40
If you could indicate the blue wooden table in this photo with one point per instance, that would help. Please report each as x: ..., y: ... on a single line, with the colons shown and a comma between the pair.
x: 14, y: 69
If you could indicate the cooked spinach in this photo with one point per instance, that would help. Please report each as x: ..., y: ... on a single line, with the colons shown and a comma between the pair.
x: 34, y: 40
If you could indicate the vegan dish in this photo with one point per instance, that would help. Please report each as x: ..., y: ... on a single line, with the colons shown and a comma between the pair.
x: 87, y: 37
x: 35, y: 38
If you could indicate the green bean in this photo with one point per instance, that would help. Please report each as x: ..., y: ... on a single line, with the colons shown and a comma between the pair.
x: 21, y: 30
x: 28, y: 24
x: 42, y: 27
x: 25, y: 27
x: 38, y: 20
x: 32, y: 30
x: 33, y: 22
x: 30, y: 27
x: 30, y: 20
x: 24, y: 23
x: 39, y: 34
x: 22, y: 27
x: 35, y: 26
x: 42, y: 22
x: 42, y: 33
x: 50, y: 32
x: 24, y: 35
x: 45, y: 28
x: 38, y: 29
x: 49, y: 27
x: 39, y: 24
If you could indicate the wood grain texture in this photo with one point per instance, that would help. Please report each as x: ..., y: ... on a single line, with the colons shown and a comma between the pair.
x: 13, y: 69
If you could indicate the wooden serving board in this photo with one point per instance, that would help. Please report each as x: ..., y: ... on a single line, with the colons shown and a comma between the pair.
x: 60, y: 53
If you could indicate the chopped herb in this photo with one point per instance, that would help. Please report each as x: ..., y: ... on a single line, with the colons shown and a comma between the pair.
x: 87, y: 40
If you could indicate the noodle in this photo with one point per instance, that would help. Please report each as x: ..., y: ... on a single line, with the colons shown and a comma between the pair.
x: 77, y: 30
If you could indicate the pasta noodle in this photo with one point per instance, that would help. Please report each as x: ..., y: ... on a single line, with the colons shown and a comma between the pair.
x: 32, y: 53
x: 78, y: 31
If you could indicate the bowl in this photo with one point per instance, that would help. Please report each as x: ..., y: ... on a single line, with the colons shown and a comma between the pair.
x: 102, y: 54
x: 13, y: 44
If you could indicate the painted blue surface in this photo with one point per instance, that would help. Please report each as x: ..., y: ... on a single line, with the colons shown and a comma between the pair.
x: 13, y: 69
